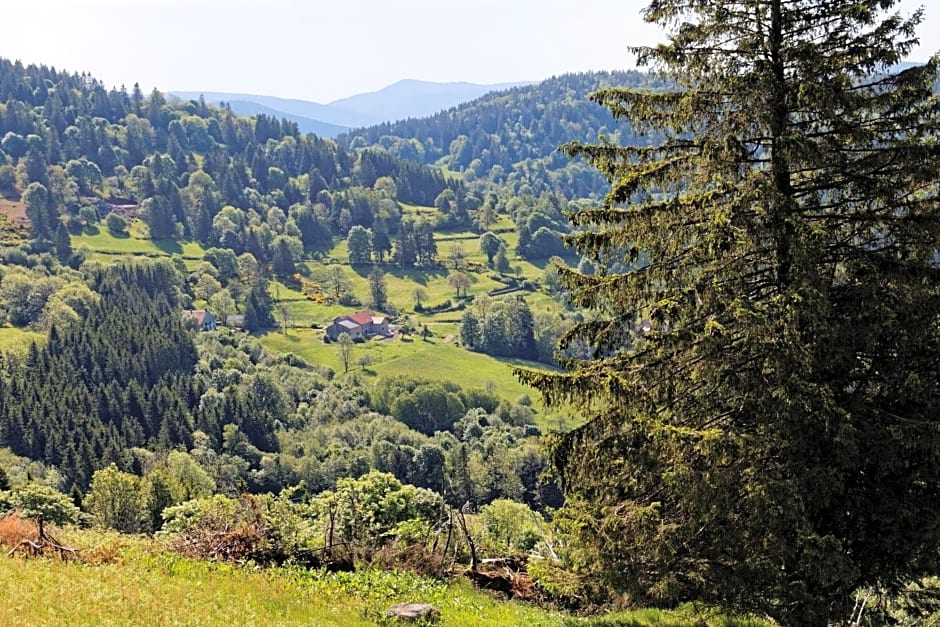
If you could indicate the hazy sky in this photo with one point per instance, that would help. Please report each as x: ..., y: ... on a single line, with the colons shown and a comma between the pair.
x: 327, y: 50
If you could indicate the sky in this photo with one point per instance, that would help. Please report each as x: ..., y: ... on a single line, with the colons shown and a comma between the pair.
x: 327, y: 50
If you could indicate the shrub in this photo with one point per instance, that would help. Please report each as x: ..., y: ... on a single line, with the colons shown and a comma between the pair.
x: 262, y: 529
x: 40, y: 502
x: 7, y: 178
x: 509, y: 528
x: 116, y: 224
x: 14, y: 529
x: 349, y: 300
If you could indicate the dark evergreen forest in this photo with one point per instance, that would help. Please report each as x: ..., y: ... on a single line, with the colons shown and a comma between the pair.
x: 122, y: 379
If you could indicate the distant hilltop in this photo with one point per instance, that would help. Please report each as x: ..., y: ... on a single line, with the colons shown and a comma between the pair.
x: 399, y: 101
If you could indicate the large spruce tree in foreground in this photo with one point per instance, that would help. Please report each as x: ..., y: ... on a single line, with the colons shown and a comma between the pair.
x: 772, y: 442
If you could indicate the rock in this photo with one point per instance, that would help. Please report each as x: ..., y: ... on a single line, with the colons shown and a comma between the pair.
x: 414, y: 612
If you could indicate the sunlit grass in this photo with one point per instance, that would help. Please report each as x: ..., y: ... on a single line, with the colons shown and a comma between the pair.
x: 432, y: 358
x: 142, y: 584
x: 16, y: 340
x: 100, y: 240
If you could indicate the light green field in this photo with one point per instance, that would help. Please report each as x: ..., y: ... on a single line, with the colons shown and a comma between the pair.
x: 446, y: 362
x: 142, y: 585
x: 154, y: 589
x: 14, y: 340
x: 401, y: 285
x: 503, y: 223
x: 417, y: 211
x: 100, y: 240
x: 340, y: 252
x: 308, y: 343
x: 433, y: 358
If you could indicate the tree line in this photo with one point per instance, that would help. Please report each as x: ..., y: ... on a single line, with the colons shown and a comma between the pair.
x: 65, y: 140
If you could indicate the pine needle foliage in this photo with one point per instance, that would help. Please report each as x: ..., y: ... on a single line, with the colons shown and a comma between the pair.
x: 762, y: 402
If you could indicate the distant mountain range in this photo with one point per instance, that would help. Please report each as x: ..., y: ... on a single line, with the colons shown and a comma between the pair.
x: 402, y: 100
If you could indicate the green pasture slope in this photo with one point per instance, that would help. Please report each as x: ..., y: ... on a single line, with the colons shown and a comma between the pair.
x: 104, y: 245
x: 434, y: 359
x: 129, y: 581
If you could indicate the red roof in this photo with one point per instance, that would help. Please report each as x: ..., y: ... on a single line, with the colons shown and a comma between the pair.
x: 361, y: 317
x: 198, y: 314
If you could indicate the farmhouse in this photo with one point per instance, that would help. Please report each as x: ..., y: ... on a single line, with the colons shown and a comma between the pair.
x: 199, y: 318
x: 360, y: 324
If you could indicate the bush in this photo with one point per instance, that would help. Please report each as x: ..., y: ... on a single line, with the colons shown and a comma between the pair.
x: 37, y: 501
x: 263, y: 529
x: 509, y: 528
x: 7, y: 178
x: 116, y: 224
x: 349, y: 300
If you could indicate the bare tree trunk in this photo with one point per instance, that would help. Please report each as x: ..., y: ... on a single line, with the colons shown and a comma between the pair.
x: 462, y: 519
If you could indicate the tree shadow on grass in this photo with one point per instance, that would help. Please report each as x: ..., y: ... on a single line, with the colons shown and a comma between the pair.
x: 169, y: 246
x: 419, y: 275
x: 569, y: 258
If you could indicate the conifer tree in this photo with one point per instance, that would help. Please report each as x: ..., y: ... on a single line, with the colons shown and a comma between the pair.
x: 63, y: 244
x: 378, y: 288
x: 763, y: 393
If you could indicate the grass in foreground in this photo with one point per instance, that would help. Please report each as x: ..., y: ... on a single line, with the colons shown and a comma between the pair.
x: 144, y: 585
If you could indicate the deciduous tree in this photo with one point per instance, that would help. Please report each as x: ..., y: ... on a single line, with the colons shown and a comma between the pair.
x: 116, y: 500
x: 490, y: 244
x: 359, y: 245
x: 459, y: 281
x: 337, y: 281
x: 344, y: 350
x: 378, y: 288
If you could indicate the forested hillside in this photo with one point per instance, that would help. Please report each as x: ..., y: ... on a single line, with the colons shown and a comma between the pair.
x: 272, y: 349
x: 511, y: 138
x: 66, y: 139
x: 118, y: 380
x: 112, y: 374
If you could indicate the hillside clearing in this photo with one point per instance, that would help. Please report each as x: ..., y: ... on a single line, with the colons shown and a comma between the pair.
x: 434, y: 359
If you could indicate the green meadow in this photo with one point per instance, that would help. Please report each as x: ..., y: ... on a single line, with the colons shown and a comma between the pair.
x: 155, y: 588
x: 101, y: 241
x: 131, y: 581
x: 435, y: 358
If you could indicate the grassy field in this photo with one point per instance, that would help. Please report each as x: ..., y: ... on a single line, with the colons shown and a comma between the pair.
x: 401, y: 285
x: 100, y: 240
x: 434, y: 359
x: 143, y: 588
x: 439, y: 360
x: 140, y: 584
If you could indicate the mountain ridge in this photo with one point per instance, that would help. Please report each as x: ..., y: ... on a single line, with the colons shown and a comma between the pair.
x: 404, y: 99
